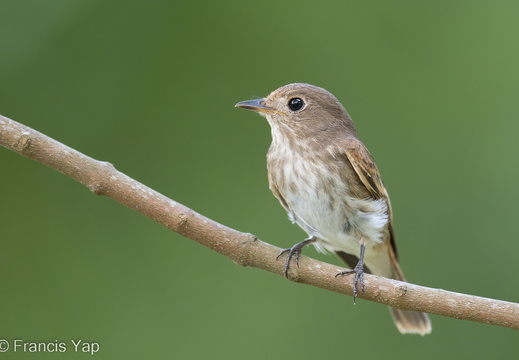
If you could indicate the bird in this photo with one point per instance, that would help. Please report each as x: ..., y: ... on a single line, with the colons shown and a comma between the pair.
x: 327, y: 181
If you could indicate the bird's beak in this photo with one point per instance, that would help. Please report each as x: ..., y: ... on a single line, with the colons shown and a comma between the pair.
x: 256, y: 105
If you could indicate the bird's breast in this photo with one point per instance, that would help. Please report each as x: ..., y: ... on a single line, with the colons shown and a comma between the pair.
x: 311, y: 186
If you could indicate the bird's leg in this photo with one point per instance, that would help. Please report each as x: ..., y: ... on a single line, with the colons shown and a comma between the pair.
x: 295, y: 251
x: 359, y: 273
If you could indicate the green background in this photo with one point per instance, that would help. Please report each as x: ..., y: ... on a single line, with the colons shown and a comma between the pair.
x: 150, y: 86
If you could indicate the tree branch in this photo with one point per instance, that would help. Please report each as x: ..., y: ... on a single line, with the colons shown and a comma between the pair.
x: 244, y: 249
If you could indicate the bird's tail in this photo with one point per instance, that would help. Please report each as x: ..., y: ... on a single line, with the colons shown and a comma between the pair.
x: 407, y: 321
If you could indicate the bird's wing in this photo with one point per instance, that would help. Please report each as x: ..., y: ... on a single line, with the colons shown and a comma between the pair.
x: 366, y: 169
x: 278, y: 195
x: 368, y: 173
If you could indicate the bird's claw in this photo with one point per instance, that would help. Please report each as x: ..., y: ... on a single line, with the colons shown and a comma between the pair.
x: 294, y: 251
x: 357, y: 280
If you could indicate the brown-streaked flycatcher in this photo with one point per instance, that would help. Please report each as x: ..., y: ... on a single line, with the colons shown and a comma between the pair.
x: 327, y: 181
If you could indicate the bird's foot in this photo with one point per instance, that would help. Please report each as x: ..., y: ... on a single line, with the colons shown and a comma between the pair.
x: 357, y: 280
x: 294, y: 251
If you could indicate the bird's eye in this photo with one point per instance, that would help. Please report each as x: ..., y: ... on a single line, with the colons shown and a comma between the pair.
x: 296, y: 104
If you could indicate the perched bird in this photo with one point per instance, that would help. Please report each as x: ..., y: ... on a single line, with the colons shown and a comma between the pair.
x: 327, y: 181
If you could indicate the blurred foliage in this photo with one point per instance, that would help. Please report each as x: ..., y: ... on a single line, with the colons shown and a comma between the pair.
x: 150, y: 86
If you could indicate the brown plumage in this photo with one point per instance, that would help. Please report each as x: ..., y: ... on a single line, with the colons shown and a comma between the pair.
x: 329, y: 184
